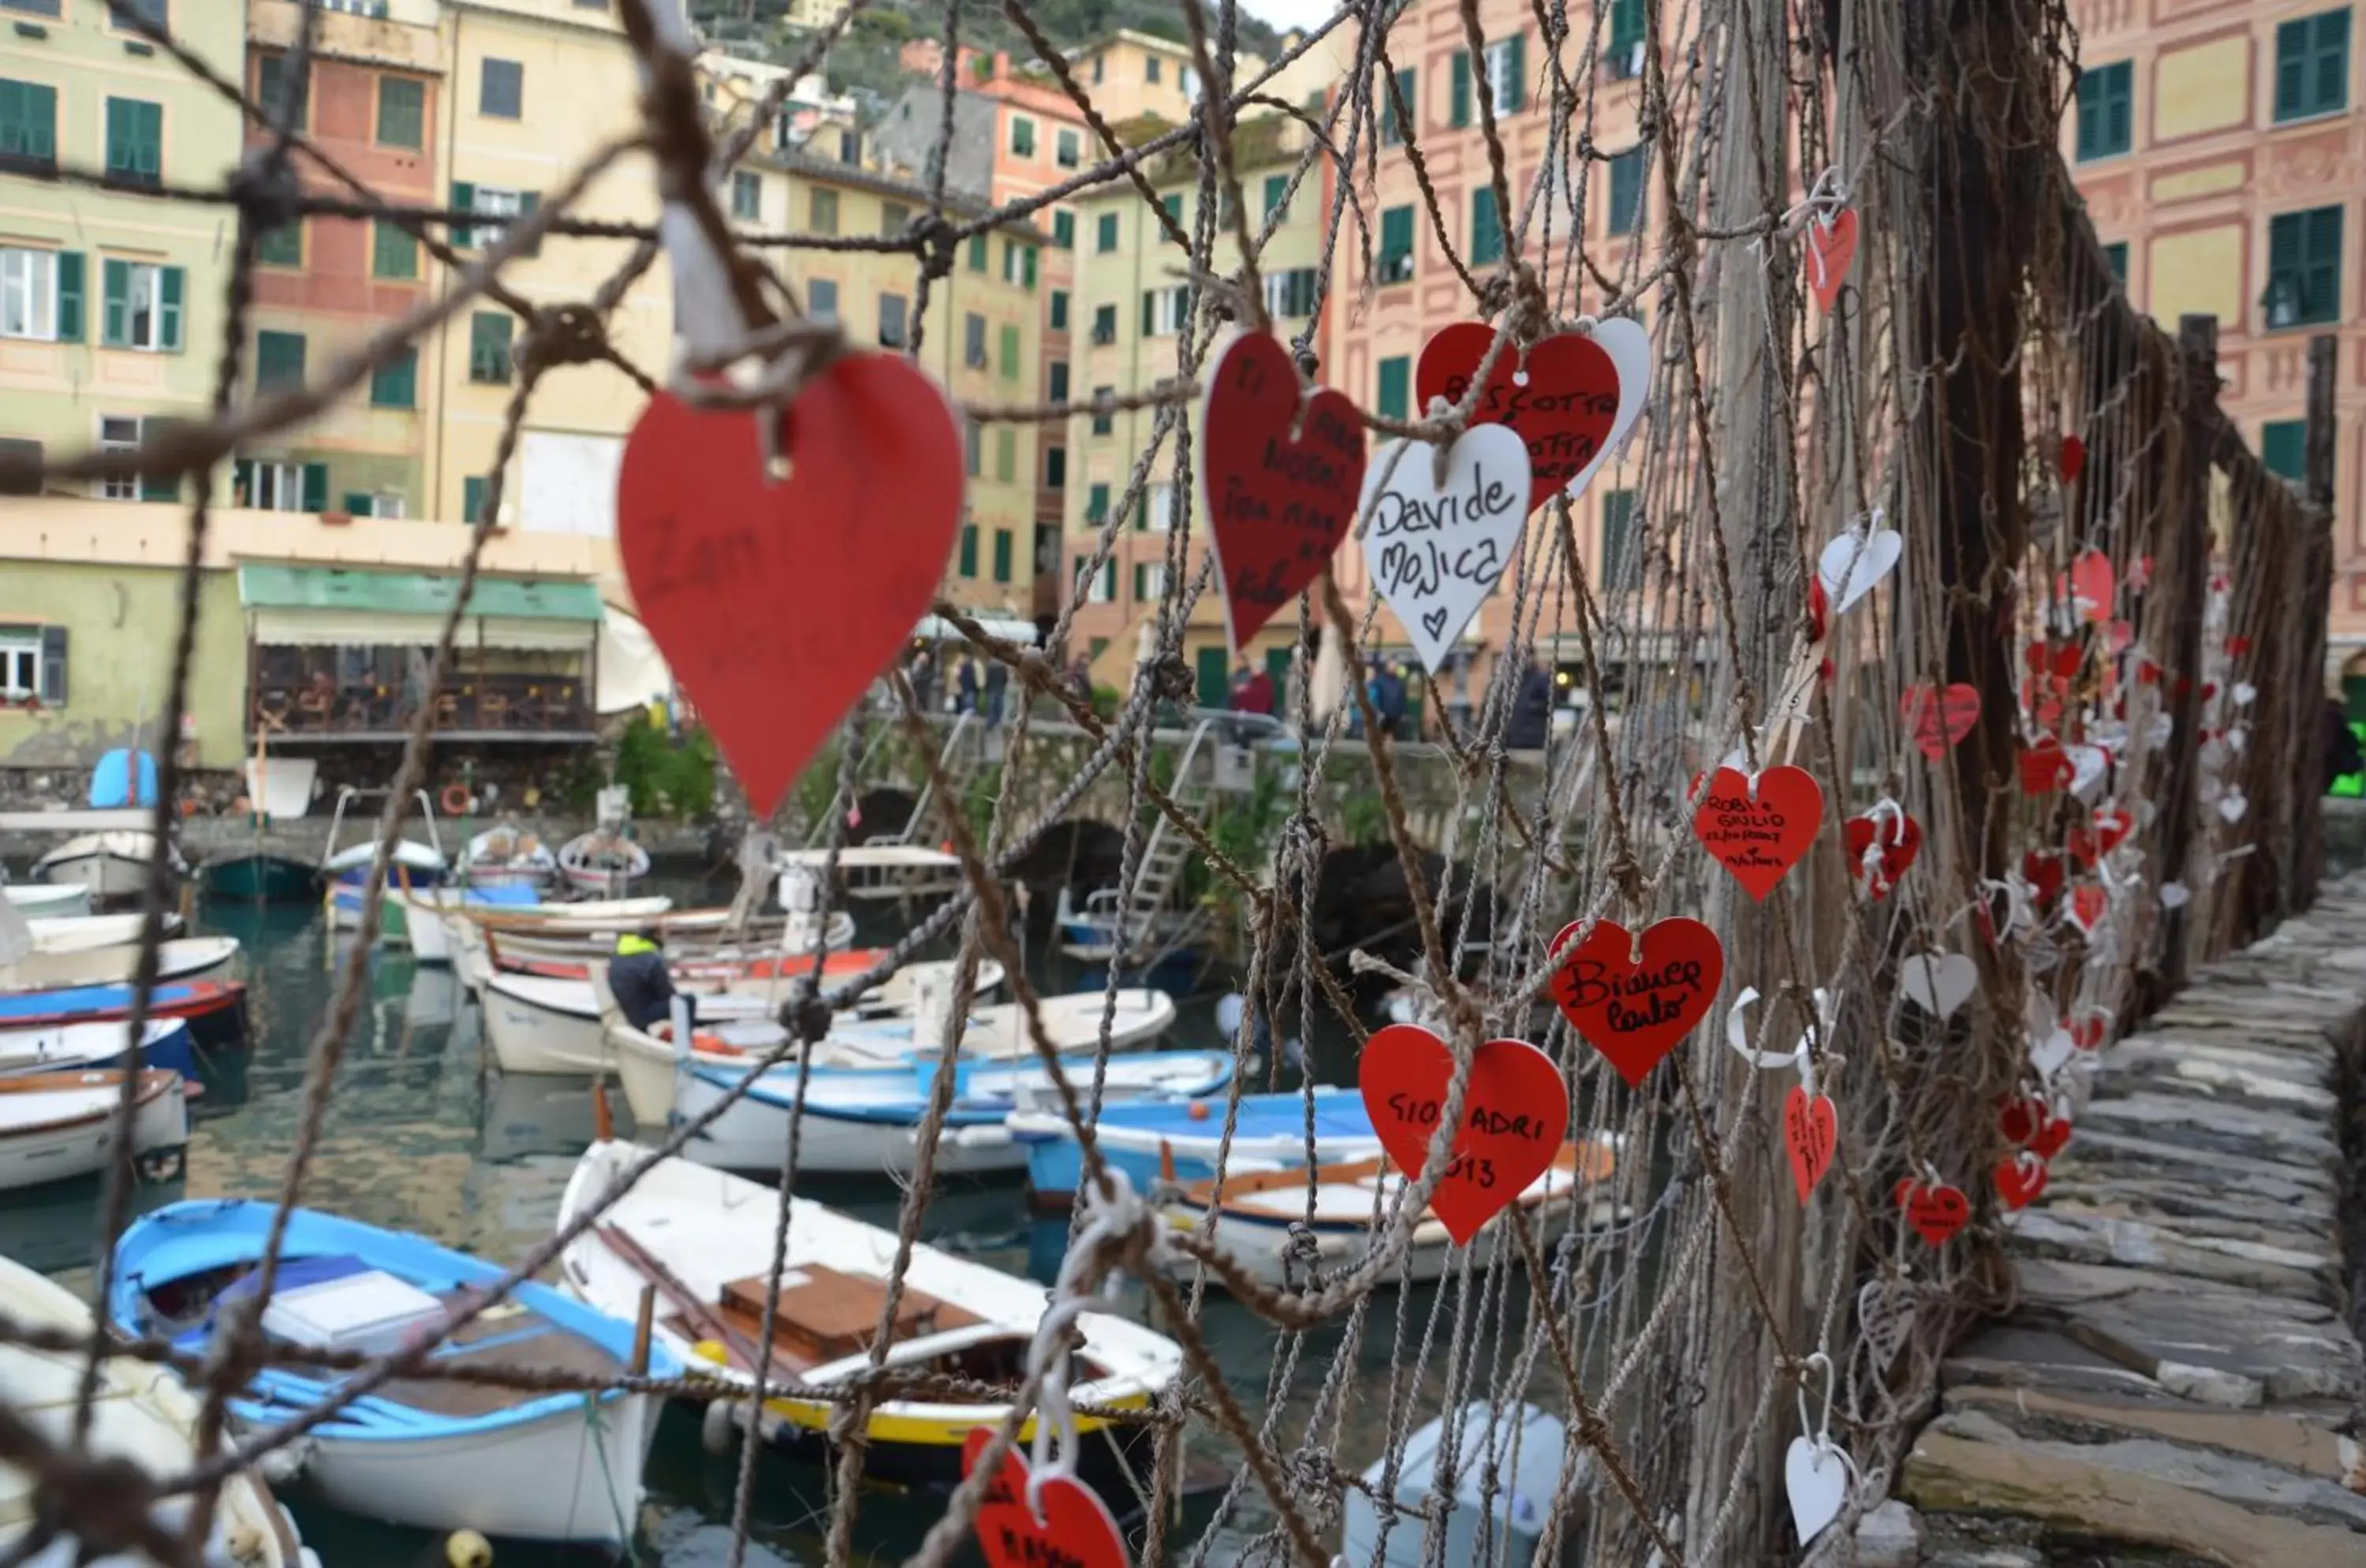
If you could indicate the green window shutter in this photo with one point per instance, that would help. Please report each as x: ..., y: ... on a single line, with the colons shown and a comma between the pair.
x: 489, y: 347
x: 1010, y: 351
x: 1006, y: 454
x: 357, y: 503
x: 158, y: 487
x: 1097, y: 504
x: 115, y: 321
x: 174, y: 285
x: 395, y: 385
x: 1486, y: 228
x: 1002, y: 555
x: 1626, y: 26
x: 1277, y: 190
x: 464, y: 199
x: 2283, y: 447
x: 282, y: 245
x: 402, y: 112
x: 1149, y: 311
x: 1627, y: 192
x: 1105, y: 234
x: 1027, y: 267
x: 2313, y: 65
x: 977, y: 253
x: 1108, y: 580
x: 1396, y: 246
x: 1063, y: 230
x: 1392, y: 124
x: 394, y: 254
x: 1516, y: 64
x: 316, y: 486
x: 472, y: 498
x: 529, y: 203
x: 70, y: 296
x: 1059, y: 309
x: 969, y: 549
x: 278, y: 360
x: 1173, y: 203
x: 1617, y: 539
x: 28, y: 123
x: 2115, y: 257
x: 1457, y: 112
x: 2106, y: 109
x: 1396, y: 386
x: 1141, y: 580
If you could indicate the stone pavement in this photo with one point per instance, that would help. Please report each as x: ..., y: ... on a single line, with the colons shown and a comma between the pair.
x: 2181, y: 1382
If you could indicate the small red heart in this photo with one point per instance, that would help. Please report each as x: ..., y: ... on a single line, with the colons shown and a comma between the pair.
x: 1810, y: 1132
x: 2019, y: 1182
x: 2018, y: 1118
x: 1277, y: 507
x: 2088, y: 902
x: 1832, y: 246
x: 2089, y: 842
x: 2087, y: 1032
x: 1635, y: 1010
x: 2042, y: 869
x: 2059, y: 659
x: 1938, y: 719
x: 2045, y: 767
x: 1819, y: 609
x: 2147, y: 673
x: 2073, y: 461
x: 2090, y: 585
x: 1515, y: 1116
x: 776, y: 603
x: 1935, y: 1212
x: 2237, y: 646
x: 1902, y: 841
x: 1563, y: 401
x: 1077, y: 1531
x: 2051, y: 1135
x: 1758, y: 838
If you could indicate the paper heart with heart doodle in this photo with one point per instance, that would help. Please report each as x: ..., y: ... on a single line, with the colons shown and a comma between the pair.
x: 2019, y: 1180
x: 1077, y: 1531
x: 1572, y: 398
x: 1632, y: 1000
x: 1437, y: 542
x: 1938, y: 717
x: 1515, y: 1118
x: 1758, y: 829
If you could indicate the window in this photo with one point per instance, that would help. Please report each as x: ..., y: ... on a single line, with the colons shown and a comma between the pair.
x: 267, y: 485
x: 894, y: 218
x: 1006, y: 454
x: 281, y: 246
x: 143, y: 305
x: 969, y: 549
x: 1022, y: 137
x: 1096, y: 503
x: 1627, y: 192
x: 1067, y: 148
x: 1149, y: 64
x: 2283, y: 447
x: 1392, y: 120
x: 973, y: 341
x: 824, y: 212
x: 29, y: 294
x: 1506, y: 72
x: 973, y: 453
x: 500, y: 89
x: 1104, y: 324
x: 2304, y: 268
x: 1395, y: 391
x: 1103, y: 419
x: 20, y: 663
x: 394, y: 254
x: 1056, y: 380
x: 1163, y: 309
x: 373, y: 504
x: 1457, y: 95
x: 278, y: 361
x: 1276, y: 192
x: 489, y: 201
x: 1010, y: 351
x: 1486, y: 228
x: 1396, y: 246
x: 849, y: 147
x: 2115, y: 257
x: 135, y: 143
x: 395, y: 384
x: 1063, y: 228
x: 1157, y: 513
x: 53, y: 7
x: 24, y: 451
x: 2106, y: 109
x: 2313, y: 65
x: 1623, y: 58
x: 1101, y: 588
x: 1149, y: 581
x: 1105, y: 234
x: 402, y: 112
x: 977, y: 253
x: 1618, y: 558
x: 28, y: 126
x: 1019, y: 264
x: 1289, y: 295
x: 1173, y: 205
x: 891, y: 320
x: 1059, y: 309
x: 489, y: 347
x: 1002, y: 548
x: 472, y: 498
x: 288, y: 102
x: 1188, y: 80
x: 155, y: 13
x: 1055, y: 467
x: 821, y: 299
x: 747, y: 196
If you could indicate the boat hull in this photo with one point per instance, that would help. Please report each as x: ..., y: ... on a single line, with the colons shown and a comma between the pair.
x: 70, y: 1047
x: 106, y: 875
x: 80, y: 1140
x: 753, y: 1135
x: 49, y: 900
x: 259, y: 878
x: 530, y: 1038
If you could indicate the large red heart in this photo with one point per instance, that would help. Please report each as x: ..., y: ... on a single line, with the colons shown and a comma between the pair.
x: 1278, y: 505
x: 1810, y: 1132
x: 1832, y: 246
x: 1902, y: 841
x: 2089, y: 842
x: 2089, y: 585
x: 1935, y: 1212
x: 1759, y: 838
x: 2045, y: 767
x: 1563, y: 402
x: 2088, y: 903
x: 776, y: 603
x: 1634, y: 1010
x: 1515, y: 1118
x: 2019, y: 1180
x: 1077, y: 1529
x: 1939, y: 719
x: 2087, y: 1033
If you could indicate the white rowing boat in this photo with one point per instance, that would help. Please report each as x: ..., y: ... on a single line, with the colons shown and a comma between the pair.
x: 54, y: 1126
x: 182, y: 958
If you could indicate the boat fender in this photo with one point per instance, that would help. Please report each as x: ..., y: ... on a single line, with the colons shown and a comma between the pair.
x: 467, y: 1549
x: 719, y: 1427
x: 454, y: 800
x: 281, y: 1465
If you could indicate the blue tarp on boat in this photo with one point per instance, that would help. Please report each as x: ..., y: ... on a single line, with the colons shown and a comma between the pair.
x: 111, y: 782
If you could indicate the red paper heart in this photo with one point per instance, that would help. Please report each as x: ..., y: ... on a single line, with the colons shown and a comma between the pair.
x: 1832, y: 246
x: 2090, y: 843
x: 1277, y: 507
x: 1819, y: 609
x: 2088, y: 902
x: 1902, y: 841
x: 1634, y: 1011
x: 1810, y: 1132
x: 2073, y: 461
x: 2030, y: 1123
x: 2087, y: 1032
x: 2090, y: 582
x: 1077, y: 1529
x: 1939, y: 719
x: 2019, y: 1182
x: 1758, y: 839
x: 2059, y: 659
x: 1935, y: 1212
x: 2045, y: 767
x: 2147, y: 673
x: 1563, y: 402
x: 776, y: 604
x: 2042, y: 869
x: 2237, y: 646
x: 1515, y: 1118
x: 2140, y: 574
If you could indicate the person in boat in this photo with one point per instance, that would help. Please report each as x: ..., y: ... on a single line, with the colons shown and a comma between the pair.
x: 642, y: 985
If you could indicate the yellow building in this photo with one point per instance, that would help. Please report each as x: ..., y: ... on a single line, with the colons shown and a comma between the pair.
x: 1133, y: 75
x: 1129, y: 300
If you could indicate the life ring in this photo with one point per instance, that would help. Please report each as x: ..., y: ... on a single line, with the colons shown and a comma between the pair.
x: 454, y: 800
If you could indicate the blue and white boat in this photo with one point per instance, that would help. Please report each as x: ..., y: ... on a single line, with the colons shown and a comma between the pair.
x: 865, y: 1122
x: 411, y: 865
x: 432, y: 1453
x: 66, y: 1048
x: 1174, y: 1141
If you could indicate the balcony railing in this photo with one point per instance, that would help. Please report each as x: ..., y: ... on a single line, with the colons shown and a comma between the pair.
x: 522, y: 706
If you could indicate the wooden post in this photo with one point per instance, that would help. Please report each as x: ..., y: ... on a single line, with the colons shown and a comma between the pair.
x: 2317, y: 577
x: 643, y: 1321
x: 2184, y: 570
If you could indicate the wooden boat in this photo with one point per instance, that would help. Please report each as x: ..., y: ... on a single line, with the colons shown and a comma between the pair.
x: 1177, y: 1141
x: 47, y: 900
x: 1256, y: 1213
x: 704, y: 1239
x: 508, y: 856
x: 182, y: 958
x: 1072, y: 1023
x: 865, y: 1121
x: 142, y: 1414
x: 88, y: 934
x: 684, y: 933
x: 601, y: 863
x: 216, y: 1009
x: 701, y: 972
x: 410, y: 864
x: 54, y: 1126
x: 165, y: 1042
x: 109, y: 865
x: 259, y: 876
x: 417, y: 918
x: 873, y: 870
x: 432, y: 1453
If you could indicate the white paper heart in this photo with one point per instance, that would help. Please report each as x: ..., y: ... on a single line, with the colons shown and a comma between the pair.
x: 1884, y: 1315
x: 2237, y: 738
x: 1435, y: 548
x: 2048, y: 1052
x: 1630, y: 348
x: 2161, y: 728
x: 1854, y: 562
x: 1817, y: 1480
x: 2233, y: 805
x: 1938, y: 983
x: 2173, y: 896
x: 2087, y: 767
x: 2242, y: 693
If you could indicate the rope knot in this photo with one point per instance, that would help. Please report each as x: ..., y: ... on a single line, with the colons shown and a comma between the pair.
x: 561, y: 334
x: 1172, y: 679
x: 806, y: 1018
x: 263, y: 187
x: 932, y: 237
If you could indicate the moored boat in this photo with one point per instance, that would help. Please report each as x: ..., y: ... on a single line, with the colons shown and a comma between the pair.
x: 182, y: 958
x: 420, y: 917
x: 165, y: 1042
x: 109, y: 865
x: 259, y: 876
x: 1165, y: 1141
x: 601, y: 863
x: 54, y: 1126
x: 216, y: 1009
x: 47, y: 900
x: 508, y: 856
x: 86, y: 933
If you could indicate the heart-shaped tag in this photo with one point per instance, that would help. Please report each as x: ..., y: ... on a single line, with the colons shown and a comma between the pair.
x: 2087, y: 764
x: 1815, y: 1478
x: 1758, y: 838
x: 1513, y: 1118
x: 1435, y: 546
x: 2030, y: 1123
x: 2049, y: 1051
x: 776, y: 604
x: 1278, y: 505
x: 1811, y: 1131
x: 1854, y: 562
x: 2042, y: 869
x: 2044, y: 766
x: 1939, y: 719
x: 1572, y: 401
x: 2089, y: 842
x: 1886, y: 1310
x: 1935, y: 1212
x: 2073, y: 460
x: 2232, y: 805
x: 1077, y: 1531
x: 1900, y: 840
x: 1832, y: 246
x: 2089, y: 585
x: 2088, y: 903
x: 2174, y: 895
x: 2087, y: 1032
x: 1634, y: 1010
x: 1936, y: 982
x: 2019, y: 1180
x: 2058, y: 660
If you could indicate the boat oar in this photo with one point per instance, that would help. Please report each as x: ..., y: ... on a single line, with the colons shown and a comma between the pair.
x: 697, y: 1313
